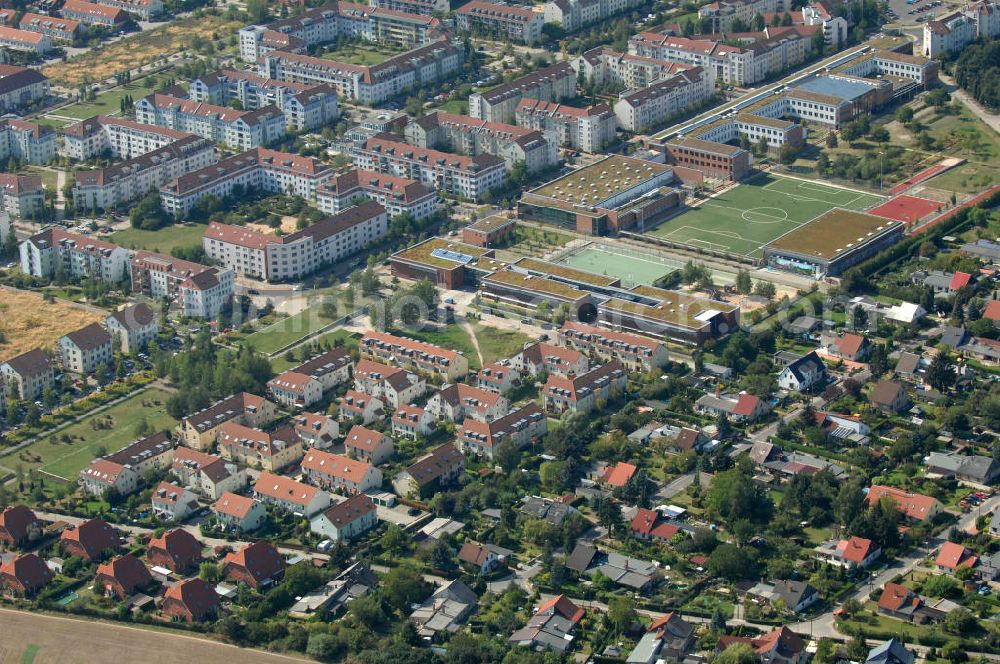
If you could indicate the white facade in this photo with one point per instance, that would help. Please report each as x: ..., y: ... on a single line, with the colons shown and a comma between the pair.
x: 78, y: 256
x: 239, y: 130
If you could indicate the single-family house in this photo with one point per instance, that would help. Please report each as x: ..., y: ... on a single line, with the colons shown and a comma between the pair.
x: 90, y: 540
x: 803, y: 374
x: 445, y: 611
x: 551, y: 627
x: 890, y: 652
x: 479, y: 557
x: 121, y: 577
x: 742, y: 407
x: 24, y: 575
x: 176, y: 550
x: 954, y: 556
x: 340, y: 473
x: 288, y: 495
x: 851, y: 553
x: 972, y: 468
x: 345, y: 520
x: 915, y: 507
x: 18, y: 526
x: 192, y: 600
x: 781, y: 646
x: 890, y: 396
x: 847, y: 346
x: 258, y: 565
x: 669, y: 638
x: 173, y: 503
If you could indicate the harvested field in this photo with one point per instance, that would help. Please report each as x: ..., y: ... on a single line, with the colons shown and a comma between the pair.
x: 27, y: 321
x: 140, y: 49
x: 43, y: 639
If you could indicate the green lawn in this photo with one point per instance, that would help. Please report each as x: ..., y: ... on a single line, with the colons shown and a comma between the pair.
x: 66, y: 460
x: 452, y: 336
x: 496, y: 344
x: 106, y: 103
x: 286, y: 331
x: 162, y: 241
x: 751, y: 215
x: 52, y: 123
x: 49, y: 177
x: 279, y: 363
x: 968, y: 178
x: 457, y: 106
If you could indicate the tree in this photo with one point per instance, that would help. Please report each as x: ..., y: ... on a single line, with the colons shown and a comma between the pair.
x: 743, y: 283
x: 857, y: 648
x: 831, y: 140
x: 403, y: 586
x: 740, y: 653
x: 328, y: 309
x: 939, y: 373
x: 324, y: 647
x: 760, y: 148
x: 765, y: 289
x: 904, y: 114
x: 621, y: 613
x: 507, y: 455
x: 148, y: 213
x: 787, y: 154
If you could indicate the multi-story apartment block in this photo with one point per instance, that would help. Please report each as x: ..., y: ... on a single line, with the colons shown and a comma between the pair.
x: 239, y: 130
x: 390, y: 385
x: 304, y: 106
x: 20, y: 87
x: 496, y: 21
x: 259, y: 449
x: 602, y: 65
x: 59, y: 29
x: 554, y: 83
x: 297, y: 254
x: 331, y: 368
x: 635, y: 352
x: 458, y: 175
x: 83, y: 351
x: 199, y: 430
x: 27, y: 375
x: 581, y: 393
x: 587, y: 129
x: 575, y: 14
x: 198, y: 291
x: 733, y: 64
x: 90, y: 13
x: 459, y: 401
x: 411, y: 422
x: 294, y: 390
x: 133, y: 327
x: 449, y: 365
x: 724, y: 13
x: 954, y: 31
x: 258, y: 169
x: 122, y: 138
x: 397, y: 195
x: 521, y: 426
x: 144, y: 9
x: 21, y: 195
x: 426, y: 7
x: 77, y: 256
x: 418, y: 68
x: 644, y: 108
x: 130, y: 180
x: 834, y: 27
x: 468, y: 136
x: 335, y: 20
x: 541, y: 356
x: 207, y: 474
x: 25, y: 40
x: 26, y: 141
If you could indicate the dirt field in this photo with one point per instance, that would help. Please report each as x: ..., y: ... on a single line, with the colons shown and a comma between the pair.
x: 27, y: 321
x: 137, y: 50
x: 288, y: 225
x: 42, y: 639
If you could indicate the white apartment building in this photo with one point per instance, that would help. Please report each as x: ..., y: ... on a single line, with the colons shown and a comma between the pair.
x: 468, y: 177
x: 20, y: 87
x: 426, y: 7
x: 506, y: 22
x: 644, y: 108
x: 198, y: 291
x: 298, y: 254
x: 77, y: 256
x: 587, y: 129
x: 25, y: 40
x: 397, y: 195
x: 83, y: 351
x: 124, y: 139
x: 239, y: 130
x: 21, y: 195
x: 834, y: 27
x: 956, y: 30
x: 554, y: 83
x: 723, y: 13
x: 575, y: 14
x: 26, y: 141
x: 144, y: 9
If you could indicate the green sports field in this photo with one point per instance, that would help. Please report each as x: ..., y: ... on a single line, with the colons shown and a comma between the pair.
x: 750, y: 215
x: 633, y: 269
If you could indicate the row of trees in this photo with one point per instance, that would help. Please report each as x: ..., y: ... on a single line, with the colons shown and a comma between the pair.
x: 978, y: 71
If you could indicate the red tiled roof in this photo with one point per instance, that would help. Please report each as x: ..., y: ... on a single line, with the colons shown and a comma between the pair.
x: 992, y: 310
x: 30, y: 570
x: 959, y: 279
x: 336, y: 465
x: 564, y: 606
x: 128, y: 571
x: 285, y: 489
x: 952, y: 556
x: 350, y: 510
x: 620, y: 474
x: 746, y: 405
x: 260, y: 559
x: 233, y: 505
x: 183, y: 547
x: 895, y: 597
x: 855, y: 549
x: 914, y: 505
x: 17, y: 520
x: 94, y: 536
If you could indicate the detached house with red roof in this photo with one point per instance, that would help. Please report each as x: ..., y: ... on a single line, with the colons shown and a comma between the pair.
x: 340, y: 473
x: 551, y: 627
x: 121, y: 577
x: 177, y: 550
x: 258, y: 565
x: 914, y: 506
x: 18, y: 525
x: 618, y: 475
x: 239, y: 513
x: 24, y: 576
x: 90, y: 540
x: 900, y: 602
x: 944, y: 284
x: 582, y: 393
x: 289, y: 495
x: 346, y: 520
x: 852, y: 553
x: 103, y: 475
x: 478, y: 557
x: 368, y: 445
x: 782, y: 646
x: 848, y: 346
x: 192, y: 600
x: 953, y: 556
x: 520, y: 426
x: 742, y: 407
x: 648, y: 524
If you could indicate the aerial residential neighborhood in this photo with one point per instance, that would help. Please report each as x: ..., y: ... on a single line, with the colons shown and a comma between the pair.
x: 514, y: 331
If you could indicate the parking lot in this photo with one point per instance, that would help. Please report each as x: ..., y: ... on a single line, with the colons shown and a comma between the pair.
x: 919, y: 11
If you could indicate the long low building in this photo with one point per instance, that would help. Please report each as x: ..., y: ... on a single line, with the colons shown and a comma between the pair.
x: 239, y: 130
x: 556, y: 83
x: 25, y: 40
x: 258, y: 169
x: 421, y: 67
x: 264, y: 256
x: 443, y: 262
x: 832, y: 243
x: 123, y: 138
x: 467, y: 177
x: 59, y: 29
x: 397, y: 195
x: 449, y: 364
x: 90, y: 13
x: 588, y: 129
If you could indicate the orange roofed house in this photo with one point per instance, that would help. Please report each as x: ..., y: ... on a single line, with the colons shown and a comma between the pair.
x: 121, y: 577
x: 850, y: 553
x: 782, y: 646
x: 258, y: 565
x: 915, y: 506
x: 17, y: 523
x: 953, y: 556
x: 289, y: 495
x: 177, y: 550
x: 25, y: 575
x: 193, y: 600
x: 418, y: 356
x: 239, y: 513
x: 551, y: 627
x: 90, y: 540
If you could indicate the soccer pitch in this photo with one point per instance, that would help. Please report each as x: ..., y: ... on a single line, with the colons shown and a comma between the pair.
x: 633, y: 268
x: 750, y: 215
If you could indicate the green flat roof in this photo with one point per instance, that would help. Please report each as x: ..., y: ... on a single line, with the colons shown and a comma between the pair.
x: 566, y: 272
x: 536, y: 284
x: 421, y: 253
x: 594, y: 184
x: 833, y: 234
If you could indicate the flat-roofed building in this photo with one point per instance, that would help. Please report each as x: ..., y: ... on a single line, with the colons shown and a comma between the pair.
x: 446, y: 263
x: 490, y: 231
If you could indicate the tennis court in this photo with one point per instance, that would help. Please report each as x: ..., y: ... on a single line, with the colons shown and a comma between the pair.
x: 633, y: 268
x: 750, y: 215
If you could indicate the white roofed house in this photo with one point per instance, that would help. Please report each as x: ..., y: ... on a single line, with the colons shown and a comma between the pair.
x: 172, y: 502
x: 316, y: 430
x: 83, y: 351
x: 412, y: 421
x: 133, y: 327
x: 345, y: 520
x: 369, y: 445
x: 340, y: 473
x: 103, y: 475
x: 521, y: 426
x: 291, y: 496
x: 358, y: 406
x: 294, y: 390
x: 459, y: 401
x: 239, y: 513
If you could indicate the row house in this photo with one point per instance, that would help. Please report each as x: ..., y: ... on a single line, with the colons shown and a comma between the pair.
x: 152, y: 453
x: 270, y: 451
x: 171, y: 502
x: 27, y: 375
x: 635, y: 352
x: 423, y: 66
x: 458, y: 175
x: 581, y: 393
x: 207, y: 474
x: 347, y: 520
x: 55, y: 250
x: 294, y: 390
x: 588, y: 129
x: 199, y: 430
x: 59, y: 29
x: 84, y: 350
x: 489, y: 19
x: 238, y: 130
x: 288, y: 495
x: 498, y: 377
x: 331, y: 368
x: 143, y: 9
x: 258, y: 169
x: 397, y: 195
x: 416, y: 355
x: 410, y: 422
x: 102, y: 476
x: 197, y: 291
x: 21, y: 195
x: 368, y: 445
x: 130, y: 180
x: 458, y: 401
x: 20, y: 87
x: 315, y: 430
x: 239, y: 513
x: 468, y: 136
x: 555, y: 84
x: 26, y: 141
x: 360, y: 407
x: 521, y: 427
x: 340, y: 473
x: 25, y: 40
x: 293, y: 256
x: 391, y: 385
x: 90, y: 13
x: 123, y: 138
x: 540, y: 357
x: 133, y: 327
